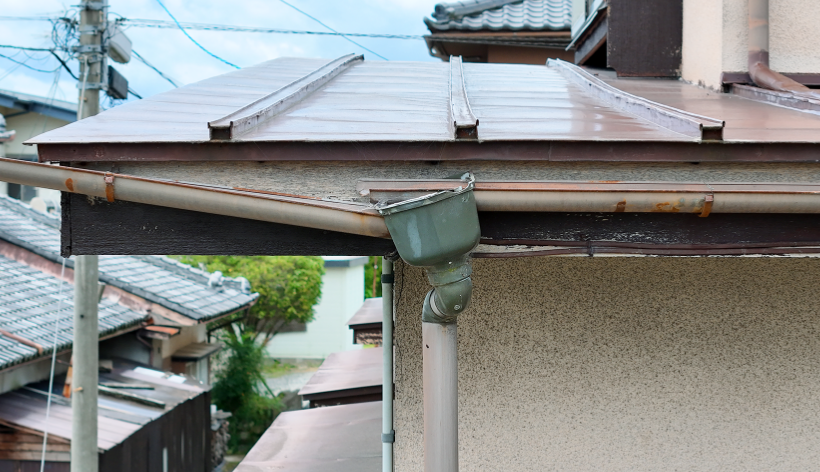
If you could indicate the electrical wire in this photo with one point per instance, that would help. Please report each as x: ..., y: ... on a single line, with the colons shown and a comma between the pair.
x: 192, y: 39
x: 26, y: 65
x: 331, y: 29
x: 53, y: 365
x: 161, y: 74
x: 141, y: 23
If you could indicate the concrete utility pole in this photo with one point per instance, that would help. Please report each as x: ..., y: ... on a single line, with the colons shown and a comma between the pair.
x: 84, y: 457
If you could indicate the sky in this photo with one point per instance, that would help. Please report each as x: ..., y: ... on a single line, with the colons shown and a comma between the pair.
x: 177, y: 56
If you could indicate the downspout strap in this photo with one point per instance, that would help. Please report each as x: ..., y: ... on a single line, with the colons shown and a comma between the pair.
x: 389, y: 438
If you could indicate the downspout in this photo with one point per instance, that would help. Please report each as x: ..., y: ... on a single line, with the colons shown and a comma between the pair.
x: 758, y: 58
x: 388, y: 434
x: 438, y: 232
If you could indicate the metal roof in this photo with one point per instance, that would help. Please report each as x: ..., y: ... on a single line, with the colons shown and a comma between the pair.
x: 349, y: 109
x: 501, y: 15
x: 32, y: 307
x: 370, y: 313
x: 346, y: 372
x: 158, y: 279
x: 118, y: 418
x: 344, y: 438
x: 60, y: 109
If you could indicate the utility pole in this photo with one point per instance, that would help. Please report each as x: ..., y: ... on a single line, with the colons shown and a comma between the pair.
x: 84, y: 456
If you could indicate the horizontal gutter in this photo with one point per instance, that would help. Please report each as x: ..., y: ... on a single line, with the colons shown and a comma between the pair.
x: 613, y: 197
x: 274, y: 208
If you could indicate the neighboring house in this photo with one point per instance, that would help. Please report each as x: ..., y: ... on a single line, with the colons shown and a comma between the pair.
x: 342, y: 295
x: 27, y: 116
x: 510, y: 31
x: 643, y: 291
x: 153, y: 317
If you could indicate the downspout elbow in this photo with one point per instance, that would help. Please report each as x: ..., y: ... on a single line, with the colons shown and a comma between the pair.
x: 444, y: 303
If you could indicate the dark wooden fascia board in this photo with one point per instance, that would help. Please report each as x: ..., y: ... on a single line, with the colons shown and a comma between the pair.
x: 576, y: 151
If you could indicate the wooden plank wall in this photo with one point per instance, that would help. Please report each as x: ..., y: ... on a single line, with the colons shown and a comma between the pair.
x: 645, y: 37
x: 20, y: 452
x: 184, y: 432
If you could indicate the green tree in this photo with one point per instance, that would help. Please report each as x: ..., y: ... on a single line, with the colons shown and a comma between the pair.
x: 288, y: 289
x: 374, y: 266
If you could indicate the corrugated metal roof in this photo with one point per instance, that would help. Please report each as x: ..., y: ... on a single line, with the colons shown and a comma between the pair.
x: 32, y: 307
x: 158, y: 279
x: 495, y: 15
x: 118, y: 418
x: 369, y: 313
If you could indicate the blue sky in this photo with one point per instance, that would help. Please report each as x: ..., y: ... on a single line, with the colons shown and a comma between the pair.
x: 174, y: 54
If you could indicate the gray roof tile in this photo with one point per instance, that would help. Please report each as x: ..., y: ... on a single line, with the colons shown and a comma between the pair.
x: 158, y: 279
x: 495, y: 15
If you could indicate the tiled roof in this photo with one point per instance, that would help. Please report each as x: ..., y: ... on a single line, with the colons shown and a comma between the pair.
x: 158, y: 279
x: 496, y: 15
x: 31, y: 306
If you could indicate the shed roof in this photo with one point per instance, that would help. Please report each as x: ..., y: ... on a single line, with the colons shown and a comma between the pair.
x: 344, y: 438
x: 60, y: 109
x: 498, y: 15
x: 158, y: 279
x: 346, y: 373
x: 118, y: 418
x: 370, y: 313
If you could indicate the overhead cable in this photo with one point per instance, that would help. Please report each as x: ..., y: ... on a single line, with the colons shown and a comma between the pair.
x: 331, y: 29
x: 161, y: 74
x: 192, y: 39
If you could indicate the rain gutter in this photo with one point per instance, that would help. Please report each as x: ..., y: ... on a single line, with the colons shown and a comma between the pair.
x: 271, y: 207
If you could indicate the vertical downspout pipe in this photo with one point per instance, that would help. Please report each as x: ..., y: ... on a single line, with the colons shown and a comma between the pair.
x: 758, y: 56
x: 438, y: 232
x: 388, y: 434
x: 758, y: 34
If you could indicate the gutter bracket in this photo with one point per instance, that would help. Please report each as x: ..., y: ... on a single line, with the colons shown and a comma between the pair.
x: 708, y: 200
x: 389, y: 438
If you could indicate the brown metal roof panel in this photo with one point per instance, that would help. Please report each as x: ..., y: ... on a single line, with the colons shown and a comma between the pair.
x: 369, y: 313
x: 344, y: 438
x: 346, y: 370
x: 372, y: 101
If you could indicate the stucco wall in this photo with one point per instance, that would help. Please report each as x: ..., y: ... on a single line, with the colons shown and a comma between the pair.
x: 715, y: 38
x: 638, y: 364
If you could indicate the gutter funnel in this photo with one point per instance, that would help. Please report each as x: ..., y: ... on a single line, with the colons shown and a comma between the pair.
x: 438, y: 231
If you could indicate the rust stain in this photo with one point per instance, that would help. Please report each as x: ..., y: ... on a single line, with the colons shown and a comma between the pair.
x: 662, y: 208
x: 620, y: 207
x: 69, y: 184
x: 109, y: 187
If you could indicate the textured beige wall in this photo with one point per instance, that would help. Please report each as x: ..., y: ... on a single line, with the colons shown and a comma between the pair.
x: 715, y: 38
x: 701, y: 58
x: 626, y: 364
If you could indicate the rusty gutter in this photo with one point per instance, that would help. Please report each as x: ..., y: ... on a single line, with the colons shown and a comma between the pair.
x: 679, y: 121
x: 615, y: 197
x: 250, y: 116
x: 291, y: 210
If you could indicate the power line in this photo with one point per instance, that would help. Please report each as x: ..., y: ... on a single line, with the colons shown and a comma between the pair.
x: 9, y: 58
x: 162, y: 24
x: 192, y: 39
x: 161, y: 74
x: 331, y: 29
x: 141, y: 23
